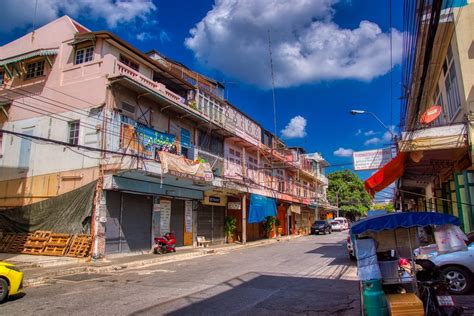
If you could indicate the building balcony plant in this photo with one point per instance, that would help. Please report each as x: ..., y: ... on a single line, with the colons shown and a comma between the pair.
x: 230, y: 227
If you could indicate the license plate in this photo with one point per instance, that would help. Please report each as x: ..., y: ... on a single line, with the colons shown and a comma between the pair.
x: 445, y: 300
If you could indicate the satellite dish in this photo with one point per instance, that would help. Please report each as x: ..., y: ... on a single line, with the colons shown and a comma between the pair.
x: 431, y: 114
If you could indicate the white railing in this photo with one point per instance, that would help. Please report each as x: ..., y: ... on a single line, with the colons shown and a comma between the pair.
x: 124, y: 70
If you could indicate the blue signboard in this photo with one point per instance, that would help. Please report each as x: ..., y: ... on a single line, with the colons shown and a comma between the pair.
x: 151, y: 139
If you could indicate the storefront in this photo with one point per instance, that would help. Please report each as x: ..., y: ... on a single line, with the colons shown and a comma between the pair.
x: 211, y: 216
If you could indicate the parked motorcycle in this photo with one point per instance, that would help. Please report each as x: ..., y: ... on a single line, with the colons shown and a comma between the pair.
x: 434, y: 291
x: 165, y: 244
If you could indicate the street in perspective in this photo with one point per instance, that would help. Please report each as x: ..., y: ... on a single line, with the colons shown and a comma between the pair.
x: 237, y: 157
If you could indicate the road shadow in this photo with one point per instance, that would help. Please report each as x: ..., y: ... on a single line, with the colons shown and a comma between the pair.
x: 263, y: 294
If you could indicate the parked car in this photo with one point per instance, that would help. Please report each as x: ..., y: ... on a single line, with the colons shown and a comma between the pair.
x: 321, y: 227
x: 336, y: 225
x: 343, y: 221
x: 350, y: 248
x: 11, y: 280
x: 457, y: 267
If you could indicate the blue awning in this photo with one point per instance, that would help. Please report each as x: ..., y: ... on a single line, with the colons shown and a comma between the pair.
x: 403, y: 220
x: 260, y: 208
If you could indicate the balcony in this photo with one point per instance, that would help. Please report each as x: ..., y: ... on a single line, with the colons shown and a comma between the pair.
x: 216, y: 161
x: 124, y: 70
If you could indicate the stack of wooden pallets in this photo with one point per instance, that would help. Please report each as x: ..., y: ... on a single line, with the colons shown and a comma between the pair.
x: 80, y: 246
x: 57, y: 245
x: 36, y: 242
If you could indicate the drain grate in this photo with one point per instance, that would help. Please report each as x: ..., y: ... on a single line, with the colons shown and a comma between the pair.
x: 82, y: 277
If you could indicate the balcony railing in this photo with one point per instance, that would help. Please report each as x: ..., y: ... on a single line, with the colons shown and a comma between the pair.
x: 216, y: 161
x: 124, y: 70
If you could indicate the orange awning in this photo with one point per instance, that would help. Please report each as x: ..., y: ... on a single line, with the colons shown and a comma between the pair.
x: 393, y: 170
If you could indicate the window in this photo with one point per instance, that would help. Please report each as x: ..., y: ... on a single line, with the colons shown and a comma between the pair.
x: 74, y: 132
x: 35, y: 69
x: 2, y: 77
x: 84, y: 55
x: 234, y: 156
x: 280, y: 177
x: 438, y: 100
x: 451, y: 84
x: 130, y: 63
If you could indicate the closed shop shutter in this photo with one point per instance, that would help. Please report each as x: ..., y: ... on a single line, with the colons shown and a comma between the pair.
x: 177, y: 221
x: 210, y: 223
x: 128, y: 227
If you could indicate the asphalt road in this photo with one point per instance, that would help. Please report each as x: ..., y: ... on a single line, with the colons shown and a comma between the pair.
x: 311, y: 275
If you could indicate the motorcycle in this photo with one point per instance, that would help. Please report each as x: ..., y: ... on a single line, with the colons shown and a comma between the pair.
x: 165, y: 244
x: 434, y: 291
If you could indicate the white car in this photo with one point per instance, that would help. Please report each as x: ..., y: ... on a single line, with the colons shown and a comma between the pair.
x: 343, y: 221
x: 336, y: 225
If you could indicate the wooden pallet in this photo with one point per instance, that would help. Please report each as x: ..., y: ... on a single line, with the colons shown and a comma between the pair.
x: 17, y: 245
x: 57, y: 245
x: 7, y: 239
x: 36, y: 242
x: 80, y: 246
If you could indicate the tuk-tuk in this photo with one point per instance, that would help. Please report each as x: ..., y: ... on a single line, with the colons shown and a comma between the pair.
x: 387, y: 267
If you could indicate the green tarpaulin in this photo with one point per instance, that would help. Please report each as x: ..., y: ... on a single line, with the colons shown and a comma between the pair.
x: 68, y: 213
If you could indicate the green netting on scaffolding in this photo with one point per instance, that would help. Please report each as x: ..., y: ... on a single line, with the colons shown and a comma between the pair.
x: 68, y: 213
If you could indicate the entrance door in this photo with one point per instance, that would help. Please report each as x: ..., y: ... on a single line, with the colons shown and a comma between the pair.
x: 210, y: 223
x: 177, y: 221
x: 128, y: 226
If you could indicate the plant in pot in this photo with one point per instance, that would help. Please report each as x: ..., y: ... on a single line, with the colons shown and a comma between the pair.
x: 268, y: 226
x: 278, y: 226
x: 230, y: 226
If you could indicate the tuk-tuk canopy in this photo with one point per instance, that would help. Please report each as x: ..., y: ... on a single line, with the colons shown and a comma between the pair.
x: 402, y: 220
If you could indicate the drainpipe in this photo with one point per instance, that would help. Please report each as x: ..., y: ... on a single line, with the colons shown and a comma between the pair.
x: 244, y: 218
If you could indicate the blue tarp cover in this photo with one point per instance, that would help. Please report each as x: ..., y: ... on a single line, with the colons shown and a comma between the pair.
x: 260, y: 208
x: 403, y: 220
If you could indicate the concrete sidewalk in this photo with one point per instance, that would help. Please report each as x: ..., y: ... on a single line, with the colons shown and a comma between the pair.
x: 38, y: 274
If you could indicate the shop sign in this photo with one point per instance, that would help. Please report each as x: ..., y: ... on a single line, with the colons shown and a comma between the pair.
x: 234, y: 205
x: 214, y: 199
x: 373, y: 159
x: 188, y: 216
x: 165, y: 216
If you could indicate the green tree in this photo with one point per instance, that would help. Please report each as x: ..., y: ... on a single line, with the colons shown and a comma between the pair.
x: 383, y: 206
x: 353, y: 199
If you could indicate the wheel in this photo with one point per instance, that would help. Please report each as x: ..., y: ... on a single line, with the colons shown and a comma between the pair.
x: 3, y: 290
x: 330, y: 231
x: 459, y: 279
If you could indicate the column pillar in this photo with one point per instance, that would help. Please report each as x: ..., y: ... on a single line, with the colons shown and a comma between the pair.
x: 244, y: 218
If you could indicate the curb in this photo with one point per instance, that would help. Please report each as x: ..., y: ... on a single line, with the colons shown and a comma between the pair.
x: 129, y: 266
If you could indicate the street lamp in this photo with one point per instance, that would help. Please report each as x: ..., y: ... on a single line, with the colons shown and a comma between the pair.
x: 356, y: 112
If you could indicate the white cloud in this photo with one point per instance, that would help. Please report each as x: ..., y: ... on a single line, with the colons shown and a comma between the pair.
x: 387, y: 136
x: 359, y: 131
x: 307, y: 44
x: 144, y: 36
x: 343, y: 152
x: 370, y: 133
x: 20, y: 13
x: 372, y: 141
x: 296, y: 128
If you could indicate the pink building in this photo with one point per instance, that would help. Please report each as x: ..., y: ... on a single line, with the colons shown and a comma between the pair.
x: 136, y: 144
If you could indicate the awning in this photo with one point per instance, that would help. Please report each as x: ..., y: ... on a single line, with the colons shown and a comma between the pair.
x: 443, y: 137
x: 403, y: 220
x: 295, y: 209
x: 393, y: 170
x: 181, y: 167
x: 39, y: 52
x: 261, y: 207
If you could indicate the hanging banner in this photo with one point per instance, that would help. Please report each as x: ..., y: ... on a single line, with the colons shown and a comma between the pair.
x: 188, y: 216
x: 373, y: 159
x: 165, y: 216
x: 185, y: 168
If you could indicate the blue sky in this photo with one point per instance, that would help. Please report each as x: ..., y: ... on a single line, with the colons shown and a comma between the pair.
x: 346, y: 64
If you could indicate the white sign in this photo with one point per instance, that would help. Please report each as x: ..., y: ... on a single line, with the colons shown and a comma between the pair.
x: 373, y: 159
x: 188, y: 216
x: 165, y: 216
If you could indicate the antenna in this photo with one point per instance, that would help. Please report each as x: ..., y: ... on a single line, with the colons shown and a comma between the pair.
x: 34, y: 21
x: 273, y: 82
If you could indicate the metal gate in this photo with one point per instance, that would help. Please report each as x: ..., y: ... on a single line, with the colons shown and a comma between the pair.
x: 128, y: 227
x: 177, y: 221
x: 210, y: 223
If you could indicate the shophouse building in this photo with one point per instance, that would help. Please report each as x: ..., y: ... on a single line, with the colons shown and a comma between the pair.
x: 103, y: 139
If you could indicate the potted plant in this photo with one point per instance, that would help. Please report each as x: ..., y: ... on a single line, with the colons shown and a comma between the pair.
x: 268, y: 226
x: 278, y: 226
x: 230, y: 226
